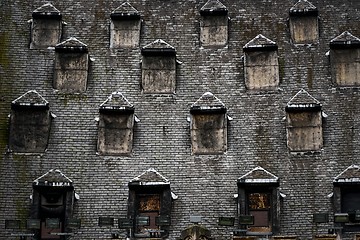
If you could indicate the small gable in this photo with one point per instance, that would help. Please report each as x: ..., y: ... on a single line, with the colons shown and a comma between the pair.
x: 117, y: 102
x: 54, y: 178
x: 46, y: 11
x: 71, y: 45
x: 303, y: 100
x: 158, y: 47
x: 30, y: 99
x: 303, y: 7
x: 213, y: 7
x: 208, y: 102
x: 349, y: 175
x: 345, y: 40
x: 149, y: 177
x: 125, y: 11
x: 259, y: 43
x: 258, y: 175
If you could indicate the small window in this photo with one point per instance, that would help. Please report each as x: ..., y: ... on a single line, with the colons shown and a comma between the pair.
x: 259, y: 198
x: 52, y: 206
x: 30, y: 122
x: 71, y: 66
x: 208, y: 125
x: 46, y: 27
x: 304, y: 123
x: 344, y: 60
x: 304, y: 23
x: 116, y: 123
x: 261, y: 66
x: 125, y: 27
x: 214, y: 24
x: 150, y: 201
x: 347, y: 197
x: 158, y: 68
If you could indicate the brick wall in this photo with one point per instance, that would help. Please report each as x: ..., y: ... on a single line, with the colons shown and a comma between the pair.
x: 205, y: 184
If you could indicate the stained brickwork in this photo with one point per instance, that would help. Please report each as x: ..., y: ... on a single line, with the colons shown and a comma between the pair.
x: 205, y: 184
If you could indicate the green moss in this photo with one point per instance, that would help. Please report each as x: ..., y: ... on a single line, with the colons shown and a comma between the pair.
x: 310, y: 77
x: 22, y: 210
x: 66, y: 97
x: 4, y: 47
x: 281, y: 69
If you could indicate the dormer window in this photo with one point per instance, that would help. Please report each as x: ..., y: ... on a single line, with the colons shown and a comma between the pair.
x: 214, y: 24
x: 261, y: 66
x: 304, y: 123
x: 149, y: 205
x: 125, y: 27
x: 71, y: 66
x: 259, y: 200
x: 158, y: 68
x: 46, y: 27
x: 303, y: 22
x: 116, y: 125
x: 52, y: 205
x: 208, y: 125
x: 345, y: 61
x: 347, y: 197
x: 30, y: 122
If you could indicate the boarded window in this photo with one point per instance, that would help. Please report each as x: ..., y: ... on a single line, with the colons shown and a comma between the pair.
x: 115, y: 133
x: 345, y: 60
x: 30, y: 122
x: 46, y: 27
x: 304, y: 23
x: 304, y: 130
x: 261, y: 66
x: 125, y: 27
x: 209, y: 133
x: 214, y: 30
x: 214, y: 24
x: 71, y: 66
x: 159, y: 68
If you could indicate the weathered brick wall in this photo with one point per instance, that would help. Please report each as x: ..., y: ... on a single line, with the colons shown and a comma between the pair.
x: 205, y: 184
